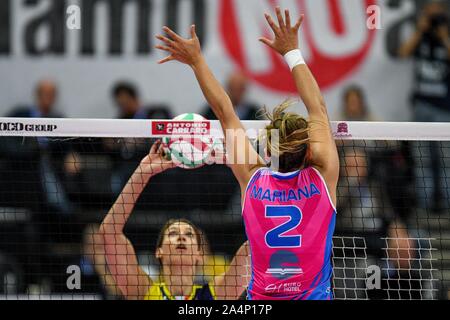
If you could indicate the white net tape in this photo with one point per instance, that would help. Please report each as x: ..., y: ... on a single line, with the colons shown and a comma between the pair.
x: 112, y: 128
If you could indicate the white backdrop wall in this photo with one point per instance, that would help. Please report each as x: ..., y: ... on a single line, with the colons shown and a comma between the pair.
x: 335, y: 39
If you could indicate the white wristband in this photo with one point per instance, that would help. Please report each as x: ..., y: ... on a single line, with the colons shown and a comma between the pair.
x: 294, y: 58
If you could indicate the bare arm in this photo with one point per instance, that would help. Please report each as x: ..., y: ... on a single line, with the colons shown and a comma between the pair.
x: 102, y: 270
x: 444, y: 37
x: 189, y: 52
x: 324, y: 154
x: 120, y: 255
x: 108, y: 281
x: 231, y: 285
x: 408, y: 48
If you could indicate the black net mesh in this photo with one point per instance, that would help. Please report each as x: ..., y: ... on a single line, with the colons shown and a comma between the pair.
x: 392, y: 238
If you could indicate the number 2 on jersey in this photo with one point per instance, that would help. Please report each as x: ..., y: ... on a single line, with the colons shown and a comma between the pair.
x: 275, y: 238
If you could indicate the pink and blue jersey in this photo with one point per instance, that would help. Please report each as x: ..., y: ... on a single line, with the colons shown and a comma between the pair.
x: 289, y: 221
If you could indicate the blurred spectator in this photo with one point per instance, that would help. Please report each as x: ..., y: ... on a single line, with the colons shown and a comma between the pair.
x: 51, y: 160
x: 126, y: 97
x: 430, y: 47
x: 237, y: 86
x: 361, y: 212
x: 391, y: 162
x: 354, y: 106
x: 126, y: 153
x: 11, y: 275
x: 371, y: 180
x: 402, y: 274
x: 358, y: 205
x: 46, y: 95
x: 392, y: 165
x: 34, y: 175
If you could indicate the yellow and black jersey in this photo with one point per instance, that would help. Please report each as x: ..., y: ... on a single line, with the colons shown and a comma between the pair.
x: 159, y: 291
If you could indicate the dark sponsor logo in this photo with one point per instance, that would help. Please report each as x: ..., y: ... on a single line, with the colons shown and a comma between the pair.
x: 25, y: 127
x: 181, y: 128
x: 284, y: 265
x: 342, y: 131
x: 343, y: 128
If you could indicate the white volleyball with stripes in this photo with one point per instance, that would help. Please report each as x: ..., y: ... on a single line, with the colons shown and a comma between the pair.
x: 189, y: 151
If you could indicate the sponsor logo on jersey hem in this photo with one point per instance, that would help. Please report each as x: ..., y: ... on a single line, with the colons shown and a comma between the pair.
x: 284, y: 271
x: 290, y: 287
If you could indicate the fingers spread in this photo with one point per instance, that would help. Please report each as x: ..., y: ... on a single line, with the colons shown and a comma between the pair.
x: 280, y: 18
x: 160, y: 150
x: 167, y: 59
x: 272, y: 25
x: 154, y: 148
x: 167, y: 41
x: 288, y: 18
x: 164, y: 48
x: 266, y: 41
x: 193, y: 32
x: 299, y: 22
x: 172, y: 34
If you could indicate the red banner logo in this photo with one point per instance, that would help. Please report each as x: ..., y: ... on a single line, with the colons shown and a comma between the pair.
x: 346, y: 27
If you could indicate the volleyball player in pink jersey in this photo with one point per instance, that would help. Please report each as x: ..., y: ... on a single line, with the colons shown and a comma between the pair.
x: 289, y: 211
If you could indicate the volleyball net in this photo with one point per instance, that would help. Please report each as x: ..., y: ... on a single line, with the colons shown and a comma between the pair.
x: 60, y: 177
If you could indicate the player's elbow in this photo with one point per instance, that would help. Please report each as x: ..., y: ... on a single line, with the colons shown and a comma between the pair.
x: 320, y: 107
x: 106, y: 229
x: 224, y: 111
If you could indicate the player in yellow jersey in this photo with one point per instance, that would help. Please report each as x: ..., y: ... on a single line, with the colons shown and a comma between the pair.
x: 180, y: 249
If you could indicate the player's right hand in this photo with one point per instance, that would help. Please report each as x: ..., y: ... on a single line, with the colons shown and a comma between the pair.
x: 187, y: 51
x: 286, y: 35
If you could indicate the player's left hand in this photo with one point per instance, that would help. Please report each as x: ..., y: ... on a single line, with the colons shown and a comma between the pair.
x: 286, y: 35
x: 187, y: 51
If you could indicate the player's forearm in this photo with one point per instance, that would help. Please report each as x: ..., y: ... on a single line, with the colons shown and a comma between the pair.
x: 108, y: 280
x: 309, y: 90
x: 408, y: 48
x: 237, y: 276
x: 123, y: 207
x: 213, y: 91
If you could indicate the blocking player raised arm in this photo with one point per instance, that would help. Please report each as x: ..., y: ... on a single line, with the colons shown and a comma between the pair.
x: 324, y: 156
x: 188, y: 51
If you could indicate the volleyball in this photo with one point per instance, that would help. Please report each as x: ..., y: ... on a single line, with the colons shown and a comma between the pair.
x: 189, y: 147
